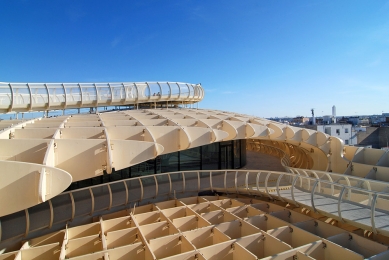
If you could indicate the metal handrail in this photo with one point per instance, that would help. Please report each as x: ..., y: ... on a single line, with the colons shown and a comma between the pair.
x: 217, y: 182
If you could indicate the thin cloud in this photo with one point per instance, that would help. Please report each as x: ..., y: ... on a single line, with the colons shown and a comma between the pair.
x: 374, y: 63
x: 75, y: 14
x: 116, y: 41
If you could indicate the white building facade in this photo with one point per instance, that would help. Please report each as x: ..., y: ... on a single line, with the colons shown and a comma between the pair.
x: 344, y: 132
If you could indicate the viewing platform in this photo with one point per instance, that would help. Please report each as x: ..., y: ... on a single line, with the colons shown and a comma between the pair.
x: 27, y: 97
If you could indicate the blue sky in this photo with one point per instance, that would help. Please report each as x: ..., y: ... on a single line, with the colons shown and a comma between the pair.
x: 264, y: 58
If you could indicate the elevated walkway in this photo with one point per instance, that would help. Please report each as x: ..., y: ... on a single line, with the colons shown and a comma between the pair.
x: 359, y: 202
x: 26, y: 97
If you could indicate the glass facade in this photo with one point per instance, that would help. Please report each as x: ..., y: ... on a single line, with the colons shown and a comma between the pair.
x: 215, y: 156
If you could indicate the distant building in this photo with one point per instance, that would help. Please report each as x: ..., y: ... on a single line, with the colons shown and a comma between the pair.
x: 341, y: 131
x: 300, y: 120
x: 343, y: 120
x: 327, y: 120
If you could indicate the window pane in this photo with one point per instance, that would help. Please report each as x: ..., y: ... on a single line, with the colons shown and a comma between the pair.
x: 243, y: 152
x: 236, y: 154
x: 169, y: 162
x: 190, y: 159
x: 211, y: 156
x: 144, y: 168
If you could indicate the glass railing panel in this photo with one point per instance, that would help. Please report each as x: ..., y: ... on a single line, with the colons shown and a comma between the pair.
x: 175, y: 88
x: 83, y: 201
x: 5, y: 96
x: 73, y: 94
x: 40, y: 95
x: 89, y: 94
x: 62, y: 208
x: 119, y: 91
x: 118, y: 190
x: 21, y: 94
x: 104, y: 93
x: 184, y: 89
x: 143, y: 91
x: 165, y: 89
x: 102, y: 195
x: 134, y: 190
x: 177, y: 182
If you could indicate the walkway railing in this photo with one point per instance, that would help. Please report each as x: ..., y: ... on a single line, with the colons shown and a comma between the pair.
x: 24, y: 97
x: 339, y: 197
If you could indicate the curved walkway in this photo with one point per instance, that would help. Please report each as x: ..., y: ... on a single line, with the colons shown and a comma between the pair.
x: 344, y: 198
x: 25, y: 97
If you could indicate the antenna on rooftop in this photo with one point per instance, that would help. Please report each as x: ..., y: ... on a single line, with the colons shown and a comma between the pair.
x: 313, y: 116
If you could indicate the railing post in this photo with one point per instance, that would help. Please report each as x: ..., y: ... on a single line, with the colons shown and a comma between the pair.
x: 111, y: 91
x: 48, y: 97
x: 73, y: 206
x: 210, y: 180
x: 332, y: 181
x: 312, y: 194
x: 247, y: 183
x: 170, y: 183
x: 278, y: 187
x: 170, y: 90
x: 27, y: 222
x: 92, y: 202
x: 51, y: 216
x: 110, y: 196
x: 125, y: 185
x: 141, y: 189
x: 369, y: 189
x: 292, y: 189
x: 348, y: 190
x: 340, y: 201
x: 257, y: 181
x: 225, y: 182
x: 372, y: 217
x: 183, y: 182
x: 156, y: 186
x: 12, y: 98
x: 198, y: 181
x: 266, y: 188
x: 29, y: 105
x: 236, y: 182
